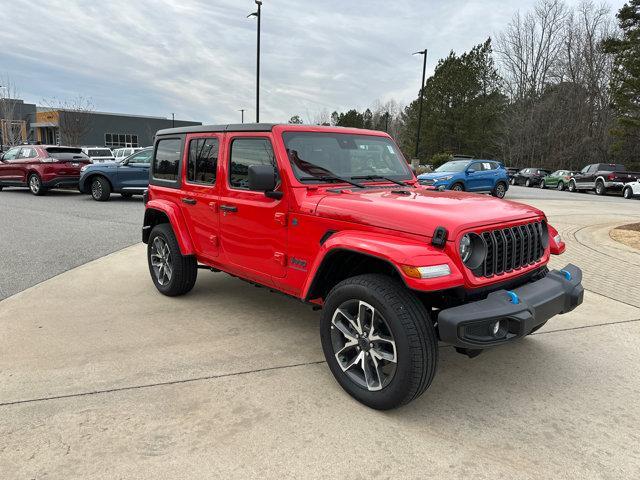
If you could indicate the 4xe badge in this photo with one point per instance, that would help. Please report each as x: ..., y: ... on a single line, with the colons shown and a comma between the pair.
x: 298, y: 264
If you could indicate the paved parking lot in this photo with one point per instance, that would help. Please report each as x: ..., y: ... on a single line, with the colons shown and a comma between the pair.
x: 229, y: 381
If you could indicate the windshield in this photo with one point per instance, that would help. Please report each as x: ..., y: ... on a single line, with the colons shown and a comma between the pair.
x: 454, y: 166
x: 348, y: 156
x: 99, y: 152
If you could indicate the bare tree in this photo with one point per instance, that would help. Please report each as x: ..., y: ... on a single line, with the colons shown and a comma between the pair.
x: 11, y: 125
x: 529, y: 48
x: 74, y: 118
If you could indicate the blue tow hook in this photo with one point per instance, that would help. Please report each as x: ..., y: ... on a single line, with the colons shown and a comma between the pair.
x: 513, y: 296
x: 567, y: 275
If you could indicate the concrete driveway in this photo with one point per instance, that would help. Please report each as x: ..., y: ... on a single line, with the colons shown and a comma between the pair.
x: 102, y: 377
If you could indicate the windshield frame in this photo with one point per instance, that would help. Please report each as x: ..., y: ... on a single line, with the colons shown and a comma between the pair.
x: 287, y: 134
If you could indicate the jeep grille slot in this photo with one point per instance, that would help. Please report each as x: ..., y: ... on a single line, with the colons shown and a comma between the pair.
x: 511, y: 248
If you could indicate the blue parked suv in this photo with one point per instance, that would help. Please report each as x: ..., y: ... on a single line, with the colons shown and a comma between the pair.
x: 127, y: 177
x: 469, y: 175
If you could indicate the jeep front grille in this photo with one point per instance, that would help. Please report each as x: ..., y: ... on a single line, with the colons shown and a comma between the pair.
x: 512, y: 248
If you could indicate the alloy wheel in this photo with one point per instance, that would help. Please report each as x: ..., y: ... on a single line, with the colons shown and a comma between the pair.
x: 500, y: 191
x: 627, y: 193
x: 34, y: 184
x: 161, y: 260
x: 96, y: 189
x: 363, y: 345
x: 456, y: 188
x: 560, y: 186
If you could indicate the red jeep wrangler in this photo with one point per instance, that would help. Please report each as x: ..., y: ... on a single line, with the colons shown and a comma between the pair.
x: 336, y: 218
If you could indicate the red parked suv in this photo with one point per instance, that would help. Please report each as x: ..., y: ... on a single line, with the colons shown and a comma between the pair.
x: 41, y: 167
x: 335, y: 218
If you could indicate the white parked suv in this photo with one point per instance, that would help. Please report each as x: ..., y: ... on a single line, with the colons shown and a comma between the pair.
x: 631, y: 189
x: 122, y: 153
x: 98, y: 154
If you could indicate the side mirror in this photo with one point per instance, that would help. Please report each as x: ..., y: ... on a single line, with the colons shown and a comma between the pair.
x: 262, y: 178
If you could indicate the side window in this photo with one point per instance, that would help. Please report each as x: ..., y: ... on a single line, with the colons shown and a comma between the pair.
x: 244, y: 153
x: 486, y: 166
x: 12, y: 154
x: 26, y: 152
x: 141, y: 157
x: 167, y: 159
x: 475, y: 167
x: 203, y: 160
x: 593, y: 168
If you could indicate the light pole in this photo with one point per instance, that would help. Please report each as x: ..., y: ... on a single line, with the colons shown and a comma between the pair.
x: 2, y: 99
x: 424, y: 70
x: 173, y: 120
x: 257, y: 14
x: 242, y: 114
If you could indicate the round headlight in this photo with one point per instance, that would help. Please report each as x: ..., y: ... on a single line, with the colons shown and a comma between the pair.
x: 473, y: 250
x: 465, y: 248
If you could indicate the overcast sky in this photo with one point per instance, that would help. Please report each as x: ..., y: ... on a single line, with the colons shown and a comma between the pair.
x: 197, y: 58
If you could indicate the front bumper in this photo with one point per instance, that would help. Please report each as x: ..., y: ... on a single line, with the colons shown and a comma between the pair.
x: 518, y: 311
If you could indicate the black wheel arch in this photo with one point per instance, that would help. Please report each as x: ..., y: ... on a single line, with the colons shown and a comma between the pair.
x: 152, y: 217
x: 342, y: 263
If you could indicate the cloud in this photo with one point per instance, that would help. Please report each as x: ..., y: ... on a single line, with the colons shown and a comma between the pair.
x: 197, y: 58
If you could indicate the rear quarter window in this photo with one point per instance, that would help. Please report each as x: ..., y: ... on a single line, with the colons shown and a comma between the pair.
x: 166, y: 160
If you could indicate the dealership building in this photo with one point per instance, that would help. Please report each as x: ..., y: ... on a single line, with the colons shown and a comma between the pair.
x: 32, y: 124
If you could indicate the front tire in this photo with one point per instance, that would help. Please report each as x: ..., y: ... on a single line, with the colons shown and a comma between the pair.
x: 457, y: 187
x: 378, y: 341
x: 172, y: 273
x: 35, y: 185
x: 100, y: 189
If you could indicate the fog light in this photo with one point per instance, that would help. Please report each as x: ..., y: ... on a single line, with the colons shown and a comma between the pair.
x: 495, y: 328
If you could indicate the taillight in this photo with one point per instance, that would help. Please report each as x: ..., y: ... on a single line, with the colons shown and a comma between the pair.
x: 49, y: 160
x: 611, y: 176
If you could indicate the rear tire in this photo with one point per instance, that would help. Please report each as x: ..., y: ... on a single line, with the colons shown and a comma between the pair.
x: 100, y: 189
x: 627, y: 193
x: 403, y: 333
x: 500, y: 190
x: 600, y: 189
x: 172, y: 273
x: 35, y: 185
x: 573, y: 188
x: 560, y: 186
x: 542, y: 184
x: 527, y: 183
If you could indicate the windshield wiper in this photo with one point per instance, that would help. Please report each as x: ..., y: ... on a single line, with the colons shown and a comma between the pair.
x: 381, y: 177
x: 332, y: 178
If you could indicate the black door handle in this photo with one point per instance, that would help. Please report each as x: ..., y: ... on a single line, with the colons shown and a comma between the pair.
x: 188, y: 201
x: 228, y: 208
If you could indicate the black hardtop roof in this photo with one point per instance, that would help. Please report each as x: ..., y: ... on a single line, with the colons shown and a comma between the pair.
x: 231, y: 127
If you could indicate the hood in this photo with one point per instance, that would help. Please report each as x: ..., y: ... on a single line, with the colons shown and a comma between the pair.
x: 435, y: 175
x: 421, y: 211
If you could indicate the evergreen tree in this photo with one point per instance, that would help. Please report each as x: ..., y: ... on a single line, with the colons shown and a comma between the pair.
x: 625, y: 82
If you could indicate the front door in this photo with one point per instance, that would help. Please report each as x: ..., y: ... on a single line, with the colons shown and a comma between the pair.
x: 135, y: 174
x: 253, y: 227
x: 199, y: 200
x: 475, y: 177
x: 10, y: 168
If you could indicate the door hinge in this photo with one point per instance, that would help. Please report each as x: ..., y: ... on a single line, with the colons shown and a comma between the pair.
x: 214, y: 240
x: 281, y: 218
x: 213, y: 206
x: 281, y: 258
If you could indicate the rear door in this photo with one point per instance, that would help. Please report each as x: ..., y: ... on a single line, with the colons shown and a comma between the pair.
x: 253, y: 227
x: 200, y: 191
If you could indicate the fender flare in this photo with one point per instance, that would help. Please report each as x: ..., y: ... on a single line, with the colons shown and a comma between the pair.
x: 176, y: 220
x: 394, y: 250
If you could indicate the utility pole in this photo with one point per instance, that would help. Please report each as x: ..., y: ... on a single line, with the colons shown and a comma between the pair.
x: 258, y: 15
x: 173, y: 120
x: 242, y: 114
x: 424, y: 70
